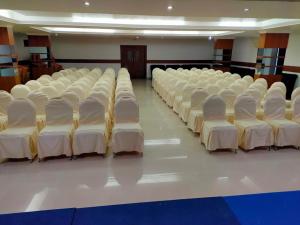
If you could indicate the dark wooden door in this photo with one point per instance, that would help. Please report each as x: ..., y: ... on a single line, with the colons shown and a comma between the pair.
x: 134, y: 57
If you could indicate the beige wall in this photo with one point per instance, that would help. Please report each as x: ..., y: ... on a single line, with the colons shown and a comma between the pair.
x: 95, y: 47
x: 22, y: 52
x: 292, y: 57
x: 245, y: 49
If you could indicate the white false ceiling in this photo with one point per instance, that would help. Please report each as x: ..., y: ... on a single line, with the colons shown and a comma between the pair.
x: 194, y: 18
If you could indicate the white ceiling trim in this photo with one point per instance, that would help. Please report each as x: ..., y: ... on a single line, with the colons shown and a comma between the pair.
x: 102, y: 31
x: 37, y: 19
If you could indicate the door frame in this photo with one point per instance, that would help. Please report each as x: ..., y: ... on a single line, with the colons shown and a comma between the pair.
x: 145, y: 57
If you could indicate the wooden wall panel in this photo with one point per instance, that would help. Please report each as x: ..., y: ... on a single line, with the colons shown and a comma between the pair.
x: 273, y: 40
x: 224, y: 44
x: 39, y: 41
x: 6, y: 36
x: 6, y: 83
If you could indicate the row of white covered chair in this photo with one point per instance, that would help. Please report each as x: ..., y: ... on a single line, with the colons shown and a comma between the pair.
x: 60, y: 135
x: 188, y: 99
x: 127, y: 133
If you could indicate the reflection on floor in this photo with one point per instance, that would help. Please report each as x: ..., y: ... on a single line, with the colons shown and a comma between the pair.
x: 174, y: 166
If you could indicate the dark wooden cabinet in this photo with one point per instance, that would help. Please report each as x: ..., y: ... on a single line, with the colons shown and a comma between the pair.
x: 134, y: 58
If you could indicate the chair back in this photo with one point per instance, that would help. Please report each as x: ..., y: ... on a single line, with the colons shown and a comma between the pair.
x: 198, y: 98
x: 212, y: 89
x: 229, y: 97
x: 295, y: 93
x: 5, y: 100
x: 245, y: 108
x: 187, y: 92
x: 214, y: 108
x: 102, y: 97
x: 255, y: 94
x: 50, y: 91
x: 296, y: 108
x: 274, y: 107
x: 33, y: 85
x: 20, y: 91
x: 58, y: 112
x: 72, y: 99
x: 126, y: 110
x: 21, y: 113
x: 91, y: 111
x: 40, y: 100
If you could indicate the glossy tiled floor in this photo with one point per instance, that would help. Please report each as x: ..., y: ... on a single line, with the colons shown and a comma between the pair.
x: 174, y: 166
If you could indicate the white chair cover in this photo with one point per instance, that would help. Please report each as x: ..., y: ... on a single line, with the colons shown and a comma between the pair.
x: 126, y: 111
x: 229, y: 97
x: 252, y: 133
x: 5, y: 100
x: 127, y: 134
x: 33, y: 85
x: 196, y: 114
x: 217, y: 133
x: 296, y: 109
x: 92, y: 134
x: 19, y: 139
x: 55, y: 138
x: 212, y: 89
x: 40, y: 100
x: 20, y: 91
x: 50, y: 91
x: 286, y: 132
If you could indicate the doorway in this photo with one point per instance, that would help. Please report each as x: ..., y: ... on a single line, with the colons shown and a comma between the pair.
x: 134, y: 58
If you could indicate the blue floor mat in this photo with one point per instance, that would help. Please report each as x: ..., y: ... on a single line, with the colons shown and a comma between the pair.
x: 47, y: 217
x: 282, y: 208
x: 204, y: 211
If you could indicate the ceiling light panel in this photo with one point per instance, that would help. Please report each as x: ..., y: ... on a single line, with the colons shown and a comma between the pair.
x: 134, y: 22
x: 128, y: 21
x: 185, y: 33
x: 79, y: 30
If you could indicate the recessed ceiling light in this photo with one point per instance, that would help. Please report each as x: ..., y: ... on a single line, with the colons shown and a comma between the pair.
x: 210, y: 38
x: 246, y: 9
x: 86, y: 3
x: 170, y: 7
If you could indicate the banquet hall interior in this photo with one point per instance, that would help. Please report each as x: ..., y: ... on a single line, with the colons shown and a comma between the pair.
x: 143, y: 112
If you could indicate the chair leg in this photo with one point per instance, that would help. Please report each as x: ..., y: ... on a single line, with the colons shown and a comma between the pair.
x: 31, y: 160
x: 141, y: 154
